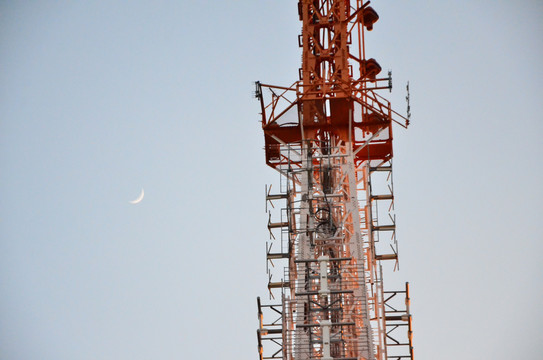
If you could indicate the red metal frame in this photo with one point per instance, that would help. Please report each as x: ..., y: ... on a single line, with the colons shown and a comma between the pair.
x: 327, y: 134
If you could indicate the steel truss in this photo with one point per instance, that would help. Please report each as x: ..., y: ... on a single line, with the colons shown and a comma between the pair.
x: 329, y: 135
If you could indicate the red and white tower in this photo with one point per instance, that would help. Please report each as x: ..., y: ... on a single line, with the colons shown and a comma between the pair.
x: 329, y: 135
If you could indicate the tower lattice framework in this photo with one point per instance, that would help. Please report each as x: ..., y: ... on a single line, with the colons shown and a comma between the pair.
x: 329, y: 135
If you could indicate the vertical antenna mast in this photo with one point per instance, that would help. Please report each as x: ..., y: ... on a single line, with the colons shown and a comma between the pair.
x: 329, y: 135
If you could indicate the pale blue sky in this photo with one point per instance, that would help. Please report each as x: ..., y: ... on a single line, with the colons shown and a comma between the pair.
x: 99, y: 99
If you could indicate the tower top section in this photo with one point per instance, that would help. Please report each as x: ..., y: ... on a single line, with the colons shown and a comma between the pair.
x: 335, y: 98
x: 329, y: 69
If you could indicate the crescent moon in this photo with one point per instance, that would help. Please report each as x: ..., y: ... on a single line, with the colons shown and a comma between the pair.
x: 138, y: 199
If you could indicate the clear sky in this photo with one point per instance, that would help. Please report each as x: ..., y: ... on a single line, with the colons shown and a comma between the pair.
x: 99, y: 99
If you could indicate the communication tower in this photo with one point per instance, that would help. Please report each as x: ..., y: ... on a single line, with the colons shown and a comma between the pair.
x: 332, y: 228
